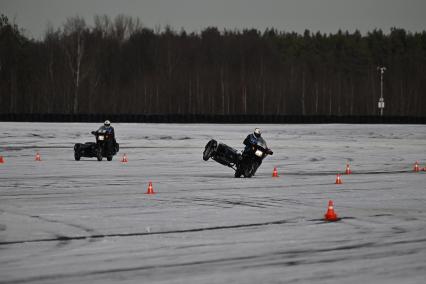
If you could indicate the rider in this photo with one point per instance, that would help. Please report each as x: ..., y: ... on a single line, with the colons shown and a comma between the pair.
x: 108, y: 129
x: 251, y: 140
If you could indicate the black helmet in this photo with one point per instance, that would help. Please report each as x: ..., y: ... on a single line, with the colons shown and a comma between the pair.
x: 257, y: 132
x: 107, y: 123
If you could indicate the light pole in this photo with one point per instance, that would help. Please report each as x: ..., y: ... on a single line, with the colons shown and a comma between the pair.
x: 381, y: 103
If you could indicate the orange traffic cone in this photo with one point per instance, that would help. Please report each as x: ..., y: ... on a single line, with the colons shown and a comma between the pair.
x: 38, y: 157
x: 416, y: 167
x: 150, y: 189
x: 348, y: 169
x: 1, y: 160
x: 124, y: 159
x: 275, y: 173
x: 338, y: 179
x: 331, y: 215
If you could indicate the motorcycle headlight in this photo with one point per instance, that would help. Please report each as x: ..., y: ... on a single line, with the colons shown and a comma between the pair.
x: 258, y: 153
x: 101, y: 137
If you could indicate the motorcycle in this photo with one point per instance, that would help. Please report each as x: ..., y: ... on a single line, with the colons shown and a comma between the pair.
x: 245, y: 163
x: 105, y: 146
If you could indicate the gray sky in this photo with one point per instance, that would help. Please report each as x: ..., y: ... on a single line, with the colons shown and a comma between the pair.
x: 327, y: 16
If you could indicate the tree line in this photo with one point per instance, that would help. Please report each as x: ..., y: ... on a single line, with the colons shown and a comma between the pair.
x: 118, y: 66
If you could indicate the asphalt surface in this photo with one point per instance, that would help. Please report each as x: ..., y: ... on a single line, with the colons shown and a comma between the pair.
x: 63, y: 221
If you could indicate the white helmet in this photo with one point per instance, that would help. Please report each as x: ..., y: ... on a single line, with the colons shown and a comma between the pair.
x: 257, y: 132
x: 107, y: 123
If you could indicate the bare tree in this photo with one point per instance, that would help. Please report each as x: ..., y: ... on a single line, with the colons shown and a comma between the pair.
x: 74, y: 46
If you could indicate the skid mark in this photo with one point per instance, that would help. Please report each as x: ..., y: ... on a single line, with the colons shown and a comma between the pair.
x: 80, y: 227
x: 99, y: 236
x: 317, y: 159
x: 217, y: 202
x: 292, y: 257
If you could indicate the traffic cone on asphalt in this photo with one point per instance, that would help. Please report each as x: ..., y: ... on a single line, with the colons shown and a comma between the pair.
x: 150, y: 189
x: 38, y: 157
x: 1, y: 160
x: 331, y: 215
x: 338, y: 179
x: 416, y: 167
x: 124, y: 159
x: 275, y: 173
x: 348, y: 169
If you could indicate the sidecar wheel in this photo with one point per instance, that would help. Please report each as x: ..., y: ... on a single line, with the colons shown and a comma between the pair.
x: 209, y: 149
x: 77, y: 152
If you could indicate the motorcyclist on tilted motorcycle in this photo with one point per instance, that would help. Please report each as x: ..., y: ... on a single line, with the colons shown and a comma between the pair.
x: 244, y: 164
x: 251, y: 140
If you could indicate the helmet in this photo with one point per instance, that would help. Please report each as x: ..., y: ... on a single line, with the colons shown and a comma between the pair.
x: 107, y: 123
x: 257, y: 132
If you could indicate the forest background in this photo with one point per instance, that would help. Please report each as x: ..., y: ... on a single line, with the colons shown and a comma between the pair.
x: 119, y: 67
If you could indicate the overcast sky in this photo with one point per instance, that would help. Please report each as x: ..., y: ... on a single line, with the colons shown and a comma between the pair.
x: 327, y: 16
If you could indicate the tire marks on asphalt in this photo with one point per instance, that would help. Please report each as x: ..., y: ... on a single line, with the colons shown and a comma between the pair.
x: 100, y: 236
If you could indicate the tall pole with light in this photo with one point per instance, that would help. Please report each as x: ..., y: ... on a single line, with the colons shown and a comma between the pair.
x: 381, y: 103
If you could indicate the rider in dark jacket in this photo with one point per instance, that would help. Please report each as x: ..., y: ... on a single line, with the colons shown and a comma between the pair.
x: 251, y: 140
x: 108, y: 129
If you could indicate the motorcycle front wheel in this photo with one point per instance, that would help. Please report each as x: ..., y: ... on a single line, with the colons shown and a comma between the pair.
x: 99, y: 155
x: 250, y: 170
